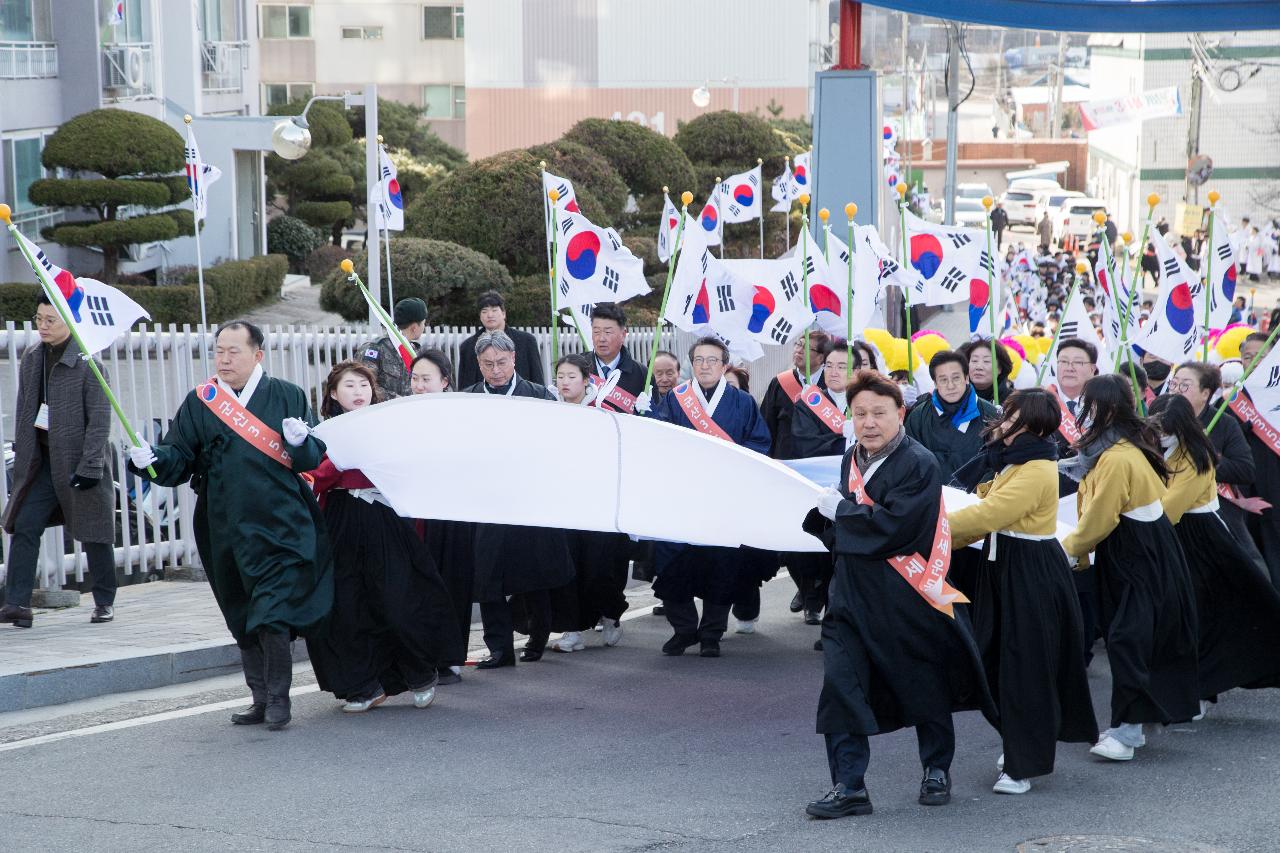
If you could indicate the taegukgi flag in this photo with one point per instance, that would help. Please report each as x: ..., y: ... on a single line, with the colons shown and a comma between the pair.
x: 740, y: 197
x: 592, y: 265
x: 390, y: 204
x: 199, y: 176
x: 668, y: 227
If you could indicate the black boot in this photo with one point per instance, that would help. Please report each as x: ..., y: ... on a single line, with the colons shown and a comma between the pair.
x: 255, y: 676
x: 278, y: 657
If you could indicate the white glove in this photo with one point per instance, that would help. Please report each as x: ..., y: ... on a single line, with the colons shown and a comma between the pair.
x: 142, y: 455
x: 848, y: 431
x: 829, y: 503
x: 910, y: 394
x: 644, y: 403
x: 295, y: 431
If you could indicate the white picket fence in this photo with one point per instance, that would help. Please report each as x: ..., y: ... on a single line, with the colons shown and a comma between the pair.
x: 151, y: 370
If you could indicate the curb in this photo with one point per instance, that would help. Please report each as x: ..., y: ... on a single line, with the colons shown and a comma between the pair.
x: 89, y: 678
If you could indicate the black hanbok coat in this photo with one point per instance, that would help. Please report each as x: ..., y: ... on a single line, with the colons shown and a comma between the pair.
x: 890, y: 660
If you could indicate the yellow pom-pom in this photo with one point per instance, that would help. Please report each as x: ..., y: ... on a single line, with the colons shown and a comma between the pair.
x: 1127, y: 237
x: 1228, y: 345
x: 1153, y: 200
x: 850, y: 210
x: 879, y: 338
x: 902, y: 189
x: 686, y: 198
x: 895, y: 355
x: 988, y: 201
x: 6, y: 214
x: 347, y: 266
x: 804, y: 198
x: 553, y: 194
x: 927, y: 346
x: 824, y: 214
x: 1214, y: 196
x: 1081, y: 267
x: 1017, y: 362
x: 1099, y: 217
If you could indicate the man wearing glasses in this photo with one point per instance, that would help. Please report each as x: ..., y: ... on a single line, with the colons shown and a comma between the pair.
x: 711, y: 406
x: 61, y: 424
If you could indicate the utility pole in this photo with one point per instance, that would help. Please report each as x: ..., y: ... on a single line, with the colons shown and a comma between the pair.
x: 1191, y: 192
x: 1055, y: 119
x: 953, y: 118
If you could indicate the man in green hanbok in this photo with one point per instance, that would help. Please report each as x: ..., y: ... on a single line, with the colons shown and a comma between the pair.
x: 242, y: 439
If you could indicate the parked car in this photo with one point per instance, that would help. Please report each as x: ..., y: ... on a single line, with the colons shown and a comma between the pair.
x: 1019, y: 199
x: 970, y: 213
x: 978, y: 191
x: 1075, y: 218
x: 1052, y: 201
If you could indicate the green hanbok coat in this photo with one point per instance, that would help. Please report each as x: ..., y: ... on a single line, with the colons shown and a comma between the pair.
x: 259, y: 531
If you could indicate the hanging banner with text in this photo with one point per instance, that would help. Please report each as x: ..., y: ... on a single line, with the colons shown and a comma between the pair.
x: 1109, y: 112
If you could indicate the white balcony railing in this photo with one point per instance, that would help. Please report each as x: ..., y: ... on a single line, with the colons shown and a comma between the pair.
x: 28, y: 60
x: 222, y: 66
x: 128, y: 72
x: 31, y: 221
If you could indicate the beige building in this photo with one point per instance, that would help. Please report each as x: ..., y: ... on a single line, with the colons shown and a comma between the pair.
x: 413, y: 51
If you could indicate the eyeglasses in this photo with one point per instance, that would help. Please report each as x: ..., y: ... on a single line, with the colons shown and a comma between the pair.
x: 1184, y: 386
x: 44, y: 322
x: 1078, y: 365
x: 950, y: 380
x: 707, y: 361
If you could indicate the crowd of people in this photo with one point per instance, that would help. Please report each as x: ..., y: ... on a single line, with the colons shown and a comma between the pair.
x: 920, y: 612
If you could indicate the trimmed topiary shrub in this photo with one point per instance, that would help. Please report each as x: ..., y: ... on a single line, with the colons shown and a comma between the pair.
x: 293, y: 238
x: 135, y: 155
x: 493, y: 206
x: 447, y: 276
x: 590, y: 174
x: 645, y: 159
x: 732, y: 141
x: 325, y: 260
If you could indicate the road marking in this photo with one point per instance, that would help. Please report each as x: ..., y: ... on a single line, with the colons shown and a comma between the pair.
x: 140, y: 721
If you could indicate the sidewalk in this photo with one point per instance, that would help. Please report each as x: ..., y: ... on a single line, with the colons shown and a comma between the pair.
x: 164, y: 633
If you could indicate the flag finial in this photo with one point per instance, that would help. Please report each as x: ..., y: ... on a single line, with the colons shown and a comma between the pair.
x: 379, y: 138
x: 553, y: 194
x: 1153, y: 200
x: 187, y: 118
x: 902, y: 189
x: 850, y: 210
x: 988, y: 201
x: 824, y: 215
x: 666, y: 189
x: 686, y: 198
x: 6, y: 214
x: 1214, y: 195
x: 347, y: 267
x: 1099, y: 217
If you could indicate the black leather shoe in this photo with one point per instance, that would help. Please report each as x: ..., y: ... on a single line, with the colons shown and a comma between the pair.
x: 251, y: 716
x: 797, y: 603
x: 813, y: 617
x: 447, y: 676
x: 840, y: 802
x: 530, y: 655
x: 710, y: 649
x: 19, y: 616
x: 659, y: 610
x: 817, y: 645
x: 935, y: 788
x: 277, y: 714
x: 498, y: 661
x: 678, y: 643
x: 103, y: 613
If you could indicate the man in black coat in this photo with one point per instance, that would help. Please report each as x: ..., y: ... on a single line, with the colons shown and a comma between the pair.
x: 784, y: 389
x: 1265, y: 526
x: 949, y: 422
x: 509, y: 560
x: 493, y: 318
x: 608, y: 334
x: 999, y: 222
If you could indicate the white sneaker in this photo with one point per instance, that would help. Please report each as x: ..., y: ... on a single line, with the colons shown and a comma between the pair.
x: 570, y: 642
x: 746, y: 626
x: 423, y: 698
x: 1204, y: 711
x: 612, y: 631
x: 359, y: 706
x: 1112, y: 749
x: 1000, y: 763
x: 1006, y: 785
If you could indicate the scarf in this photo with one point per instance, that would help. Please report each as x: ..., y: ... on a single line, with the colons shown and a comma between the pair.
x: 1082, y: 463
x: 995, y: 455
x: 864, y: 460
x: 961, y: 411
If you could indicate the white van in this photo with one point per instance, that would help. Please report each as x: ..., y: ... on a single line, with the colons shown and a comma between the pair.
x: 1075, y: 218
x: 1020, y: 199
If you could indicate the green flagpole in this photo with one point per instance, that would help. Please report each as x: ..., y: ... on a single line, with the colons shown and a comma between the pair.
x: 850, y: 211
x: 906, y: 264
x: 987, y: 202
x: 686, y: 199
x: 350, y: 269
x: 804, y: 272
x: 1208, y: 274
x: 1235, y: 389
x: 7, y: 216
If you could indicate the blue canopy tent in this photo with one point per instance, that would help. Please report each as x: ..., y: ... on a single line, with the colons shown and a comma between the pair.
x: 1103, y: 16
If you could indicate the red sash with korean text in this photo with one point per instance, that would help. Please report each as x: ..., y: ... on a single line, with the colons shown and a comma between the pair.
x: 618, y: 397
x: 697, y: 413
x: 823, y: 408
x: 790, y: 385
x: 1248, y: 413
x: 927, y: 577
x: 1068, y: 427
x: 243, y: 423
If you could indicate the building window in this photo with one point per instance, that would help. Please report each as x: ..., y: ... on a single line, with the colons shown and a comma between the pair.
x: 442, y: 22
x: 280, y: 21
x: 278, y: 94
x: 445, y: 101
x: 22, y: 168
x: 366, y: 33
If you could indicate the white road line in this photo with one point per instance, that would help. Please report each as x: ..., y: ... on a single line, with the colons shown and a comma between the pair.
x: 139, y: 721
x: 633, y: 613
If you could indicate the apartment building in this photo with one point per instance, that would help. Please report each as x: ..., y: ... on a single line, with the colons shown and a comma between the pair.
x: 61, y: 58
x: 413, y: 51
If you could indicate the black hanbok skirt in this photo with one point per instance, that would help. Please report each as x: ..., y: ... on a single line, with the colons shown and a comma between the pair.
x: 392, y: 623
x: 450, y: 544
x: 1026, y: 620
x: 1148, y: 608
x: 1237, y: 608
x: 601, y: 562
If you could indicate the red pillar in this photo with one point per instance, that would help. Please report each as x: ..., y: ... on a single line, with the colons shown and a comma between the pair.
x: 850, y: 36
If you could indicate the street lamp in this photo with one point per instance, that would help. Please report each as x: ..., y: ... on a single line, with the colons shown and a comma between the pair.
x: 291, y: 139
x: 701, y: 96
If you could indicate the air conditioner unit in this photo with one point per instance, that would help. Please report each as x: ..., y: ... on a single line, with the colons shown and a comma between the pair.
x: 113, y: 65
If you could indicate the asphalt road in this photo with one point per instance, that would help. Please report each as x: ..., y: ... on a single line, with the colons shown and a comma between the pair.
x: 612, y: 749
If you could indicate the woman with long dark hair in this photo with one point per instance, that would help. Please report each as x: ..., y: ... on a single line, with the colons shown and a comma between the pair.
x: 391, y: 622
x: 977, y: 353
x: 1238, y: 609
x: 1147, y: 603
x: 1026, y: 617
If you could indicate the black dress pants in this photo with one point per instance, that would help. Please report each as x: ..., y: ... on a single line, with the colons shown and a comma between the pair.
x: 495, y: 616
x: 848, y: 754
x: 683, y: 616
